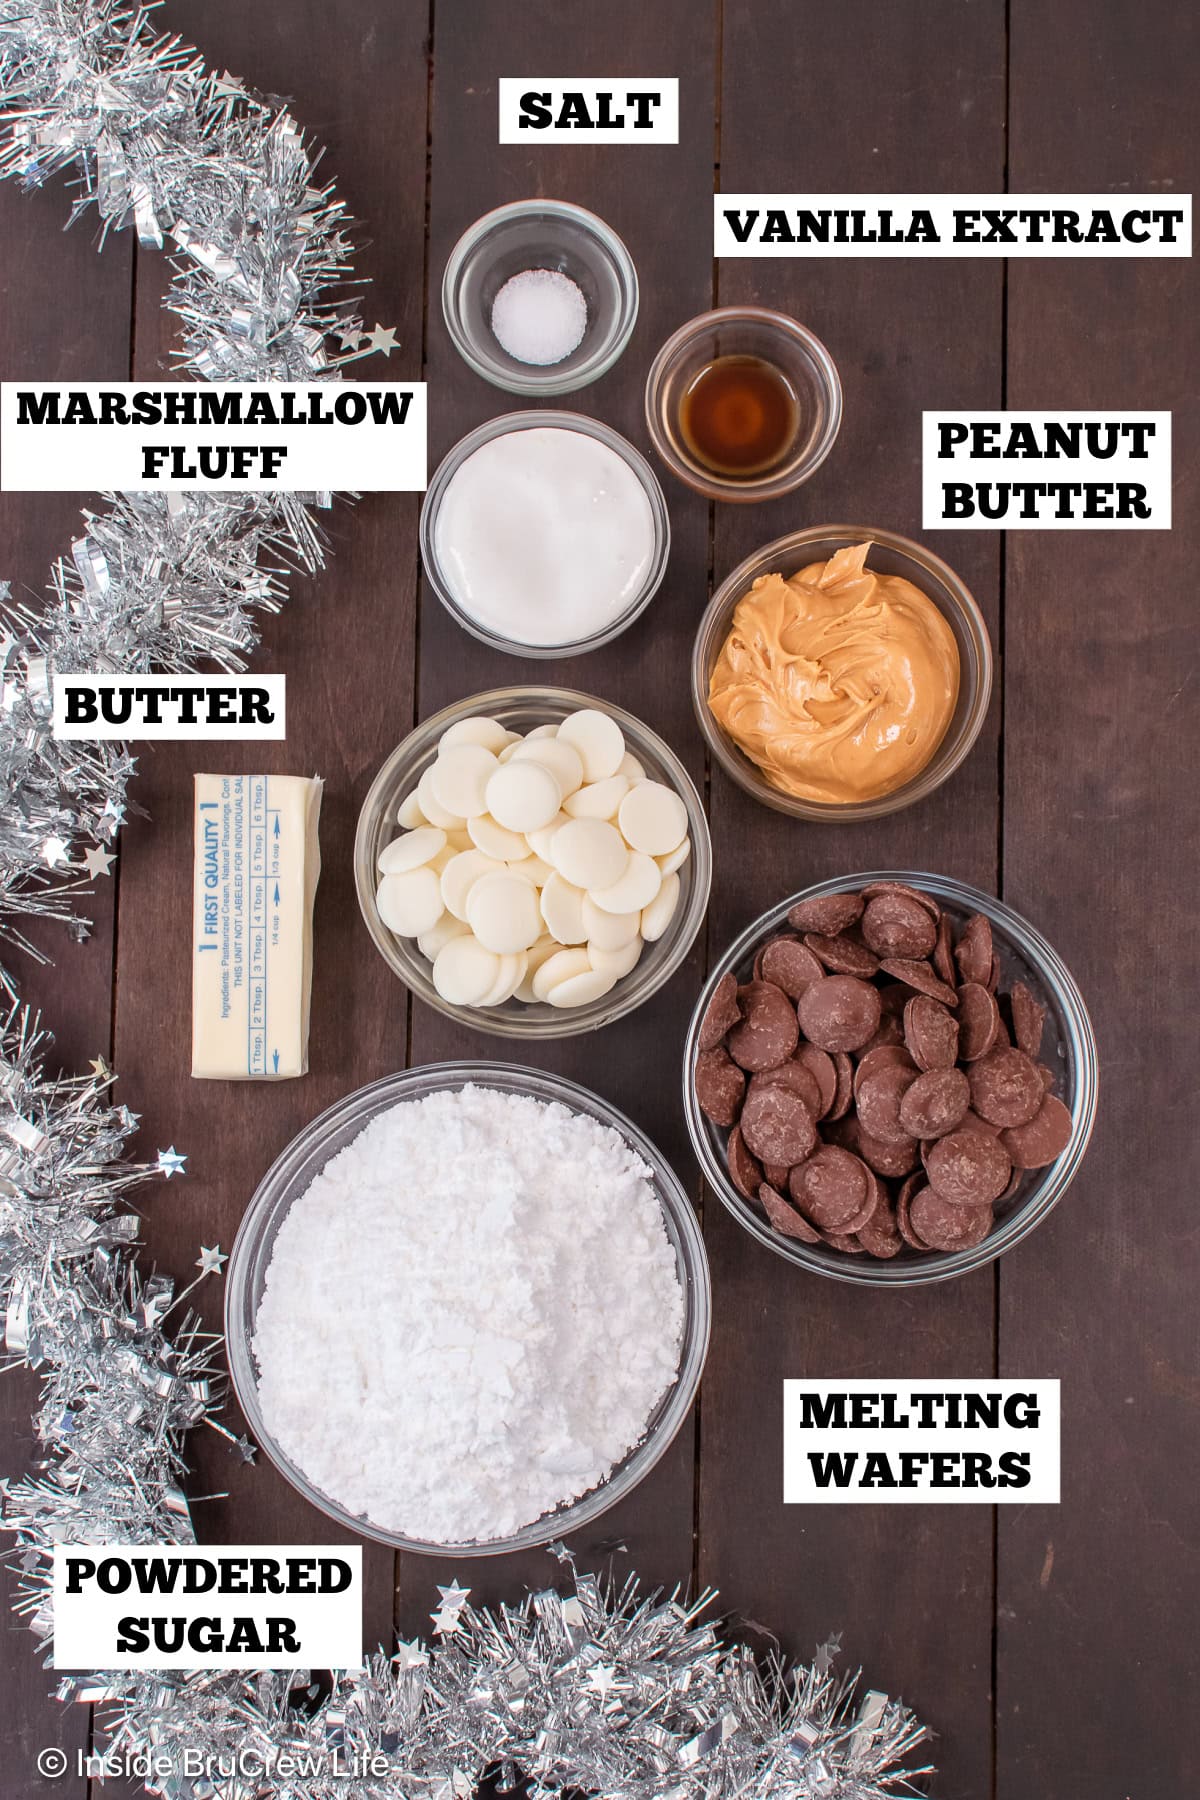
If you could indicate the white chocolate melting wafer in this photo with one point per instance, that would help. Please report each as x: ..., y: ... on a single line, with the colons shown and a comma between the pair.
x: 476, y: 730
x: 616, y: 964
x: 590, y: 853
x: 460, y: 777
x: 460, y: 875
x: 411, y: 850
x: 523, y: 796
x: 652, y: 818
x: 502, y: 911
x: 562, y: 909
x: 410, y: 903
x: 598, y: 799
x: 661, y: 910
x: 562, y: 759
x: 497, y: 840
x: 464, y: 972
x: 597, y: 738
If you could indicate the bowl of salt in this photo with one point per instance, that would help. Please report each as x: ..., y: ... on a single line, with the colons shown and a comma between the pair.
x: 540, y: 297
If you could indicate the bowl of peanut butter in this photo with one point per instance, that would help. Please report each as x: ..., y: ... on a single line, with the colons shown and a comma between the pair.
x: 841, y: 673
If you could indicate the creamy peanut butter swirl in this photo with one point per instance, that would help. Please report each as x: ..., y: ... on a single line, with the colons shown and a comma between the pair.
x: 838, y: 682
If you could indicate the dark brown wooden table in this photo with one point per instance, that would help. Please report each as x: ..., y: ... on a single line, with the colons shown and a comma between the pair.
x: 1053, y: 1650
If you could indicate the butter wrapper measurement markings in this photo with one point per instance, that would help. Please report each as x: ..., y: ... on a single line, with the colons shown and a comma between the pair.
x: 257, y: 862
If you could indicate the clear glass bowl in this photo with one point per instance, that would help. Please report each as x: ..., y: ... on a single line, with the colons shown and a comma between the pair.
x: 745, y: 331
x: 533, y: 421
x: 520, y: 709
x: 294, y: 1171
x: 890, y: 555
x: 1068, y: 1047
x: 540, y: 234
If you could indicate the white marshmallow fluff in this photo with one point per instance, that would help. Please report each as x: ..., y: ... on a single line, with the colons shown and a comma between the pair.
x: 470, y: 1315
x: 544, y: 536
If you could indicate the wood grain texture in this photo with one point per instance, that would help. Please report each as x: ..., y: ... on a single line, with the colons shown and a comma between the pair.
x: 1100, y: 835
x: 657, y: 198
x: 46, y: 335
x: 345, y: 642
x: 1077, y: 804
x: 915, y: 101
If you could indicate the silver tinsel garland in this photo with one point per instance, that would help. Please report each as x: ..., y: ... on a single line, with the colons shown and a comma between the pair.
x: 609, y: 1692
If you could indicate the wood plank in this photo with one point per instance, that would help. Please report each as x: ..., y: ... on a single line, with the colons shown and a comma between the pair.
x: 633, y: 1063
x: 64, y: 314
x: 858, y: 98
x: 1100, y: 851
x: 345, y: 642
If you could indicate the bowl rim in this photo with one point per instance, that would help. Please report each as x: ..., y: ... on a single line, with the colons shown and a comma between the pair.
x: 570, y: 1022
x: 703, y: 481
x: 692, y: 1267
x: 1053, y: 1181
x: 545, y: 382
x: 738, y: 766
x: 557, y: 419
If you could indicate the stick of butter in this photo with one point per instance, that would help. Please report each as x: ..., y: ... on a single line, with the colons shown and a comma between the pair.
x: 256, y: 869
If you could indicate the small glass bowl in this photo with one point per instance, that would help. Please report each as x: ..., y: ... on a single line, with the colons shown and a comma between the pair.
x: 532, y: 421
x: 540, y: 234
x: 1068, y: 1047
x: 776, y: 339
x: 890, y: 554
x: 520, y: 709
x: 294, y: 1171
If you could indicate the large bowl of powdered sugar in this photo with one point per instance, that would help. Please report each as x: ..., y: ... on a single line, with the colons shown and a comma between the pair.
x: 467, y: 1309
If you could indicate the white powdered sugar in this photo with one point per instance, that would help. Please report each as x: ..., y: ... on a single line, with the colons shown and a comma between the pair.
x: 469, y: 1316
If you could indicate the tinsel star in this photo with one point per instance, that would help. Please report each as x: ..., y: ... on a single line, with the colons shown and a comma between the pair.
x: 100, y: 1069
x: 447, y: 1619
x: 246, y: 1450
x: 55, y: 853
x: 171, y: 582
x: 602, y: 1678
x: 370, y: 343
x: 409, y: 1654
x: 170, y: 1162
x: 211, y: 1262
x: 98, y: 861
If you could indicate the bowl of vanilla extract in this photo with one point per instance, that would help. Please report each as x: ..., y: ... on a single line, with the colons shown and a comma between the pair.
x: 743, y: 403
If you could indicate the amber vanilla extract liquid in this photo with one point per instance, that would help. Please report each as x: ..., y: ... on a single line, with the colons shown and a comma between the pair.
x: 739, y: 416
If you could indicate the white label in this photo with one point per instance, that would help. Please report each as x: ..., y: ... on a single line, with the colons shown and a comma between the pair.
x: 89, y: 708
x: 904, y: 1443
x: 242, y: 1606
x: 952, y: 225
x: 298, y: 437
x: 1046, y: 471
x: 593, y: 110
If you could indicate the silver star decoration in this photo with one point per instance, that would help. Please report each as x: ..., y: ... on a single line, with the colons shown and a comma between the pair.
x: 602, y: 1679
x: 211, y: 1262
x: 100, y: 1069
x: 246, y: 1450
x: 228, y: 84
x: 382, y: 339
x: 446, y: 1619
x: 170, y: 1162
x: 55, y: 853
x: 98, y: 861
x: 350, y: 336
x: 409, y: 1654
